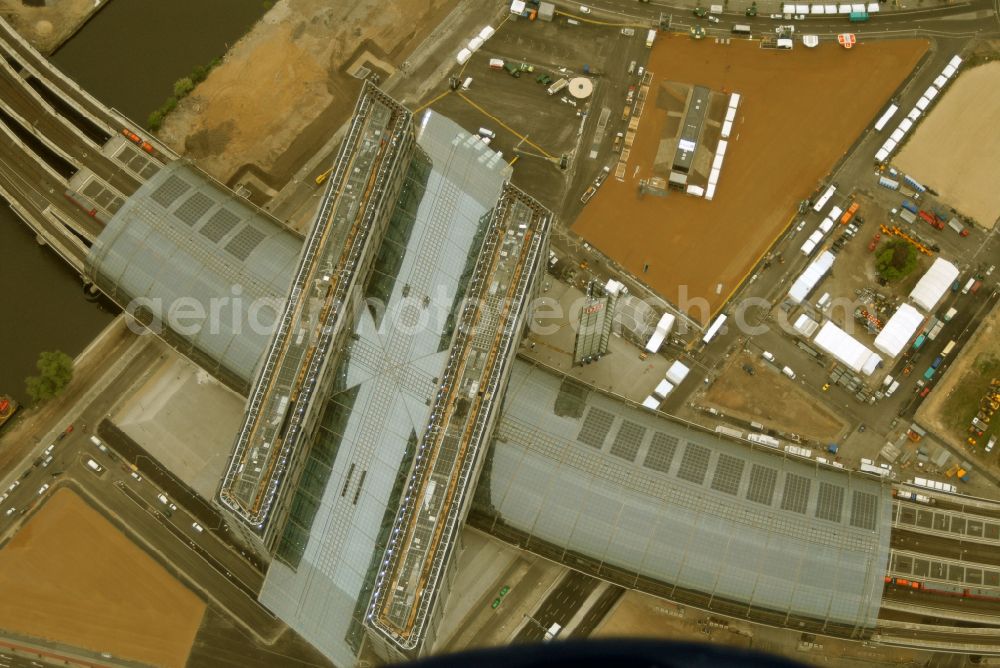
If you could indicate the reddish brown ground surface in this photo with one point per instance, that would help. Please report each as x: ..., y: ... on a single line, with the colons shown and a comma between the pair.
x: 69, y: 576
x: 800, y: 111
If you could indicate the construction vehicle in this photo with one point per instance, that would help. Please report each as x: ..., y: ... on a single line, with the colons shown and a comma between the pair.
x: 700, y: 12
x: 849, y: 214
x: 751, y: 10
x: 543, y: 79
x: 697, y: 32
x: 558, y: 86
x: 512, y: 69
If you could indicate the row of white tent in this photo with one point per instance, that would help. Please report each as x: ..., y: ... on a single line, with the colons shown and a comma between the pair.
x: 474, y: 44
x: 824, y: 228
x: 720, y: 152
x: 675, y: 376
x: 830, y: 9
x: 890, y: 144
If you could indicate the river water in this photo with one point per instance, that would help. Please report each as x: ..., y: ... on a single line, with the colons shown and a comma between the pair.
x: 128, y: 57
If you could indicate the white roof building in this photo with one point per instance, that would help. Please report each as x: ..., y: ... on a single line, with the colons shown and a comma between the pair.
x: 934, y: 284
x: 663, y: 389
x: 899, y: 330
x: 846, y: 349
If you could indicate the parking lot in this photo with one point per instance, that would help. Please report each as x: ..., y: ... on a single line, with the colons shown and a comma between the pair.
x: 538, y: 128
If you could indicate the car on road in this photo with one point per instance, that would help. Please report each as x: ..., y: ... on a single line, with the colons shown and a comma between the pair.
x: 862, y: 427
x: 4, y: 496
x: 44, y: 488
x: 776, y: 16
x: 799, y: 17
x: 714, y: 19
x: 584, y: 9
x: 927, y: 390
x: 46, y: 461
x: 136, y: 476
x: 768, y: 356
x: 13, y: 485
x: 10, y: 511
x: 802, y: 224
x: 197, y: 527
x: 48, y: 450
x: 94, y: 466
x: 162, y: 498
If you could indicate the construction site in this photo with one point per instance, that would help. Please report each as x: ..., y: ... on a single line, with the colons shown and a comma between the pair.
x: 788, y: 100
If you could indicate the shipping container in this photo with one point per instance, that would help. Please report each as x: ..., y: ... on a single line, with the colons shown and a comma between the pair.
x: 914, y: 183
x: 888, y: 183
x: 910, y: 206
x: 908, y: 216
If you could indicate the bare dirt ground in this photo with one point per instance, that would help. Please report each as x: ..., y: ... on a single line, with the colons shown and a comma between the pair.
x: 643, y: 616
x: 790, y: 101
x: 283, y: 89
x: 772, y: 399
x: 950, y: 407
x: 48, y: 26
x: 68, y: 575
x: 955, y: 147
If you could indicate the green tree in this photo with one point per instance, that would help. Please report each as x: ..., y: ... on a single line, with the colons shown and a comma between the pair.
x: 55, y: 370
x: 896, y: 260
x: 183, y: 86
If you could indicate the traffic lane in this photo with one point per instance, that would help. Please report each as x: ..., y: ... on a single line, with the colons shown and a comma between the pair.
x: 559, y: 607
x: 175, y: 555
x: 210, y: 517
x: 180, y: 522
x: 597, y: 612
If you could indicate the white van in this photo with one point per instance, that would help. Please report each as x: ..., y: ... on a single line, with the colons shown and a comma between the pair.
x: 788, y: 372
x: 768, y: 356
x: 94, y: 466
x: 467, y: 83
x: 887, y: 382
x: 100, y: 446
x: 486, y: 132
x: 892, y: 388
x: 631, y: 67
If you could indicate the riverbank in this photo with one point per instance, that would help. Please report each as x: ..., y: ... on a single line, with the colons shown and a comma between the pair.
x: 49, y: 26
x: 286, y: 87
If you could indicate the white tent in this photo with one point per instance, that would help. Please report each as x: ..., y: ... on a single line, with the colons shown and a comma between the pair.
x: 677, y: 372
x: 805, y: 325
x: 663, y: 389
x: 811, y: 277
x: 660, y: 333
x: 899, y: 330
x: 651, y: 402
x: 846, y: 349
x: 934, y: 284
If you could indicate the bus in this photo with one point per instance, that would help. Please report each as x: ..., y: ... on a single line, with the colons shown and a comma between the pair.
x: 948, y: 348
x: 741, y: 29
x: 650, y: 37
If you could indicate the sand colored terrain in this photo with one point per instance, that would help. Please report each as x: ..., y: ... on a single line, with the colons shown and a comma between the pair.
x: 955, y: 148
x: 283, y: 89
x: 69, y: 576
x: 800, y: 111
x: 772, y: 399
x: 49, y: 25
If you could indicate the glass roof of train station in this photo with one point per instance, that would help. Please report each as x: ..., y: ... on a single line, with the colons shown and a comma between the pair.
x: 343, y: 509
x: 184, y: 242
x: 616, y: 485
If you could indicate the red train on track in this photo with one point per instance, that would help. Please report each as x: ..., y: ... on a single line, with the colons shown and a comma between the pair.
x: 943, y: 589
